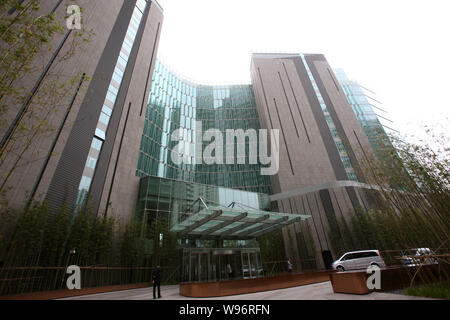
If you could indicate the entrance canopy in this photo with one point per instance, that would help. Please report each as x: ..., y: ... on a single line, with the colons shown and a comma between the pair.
x: 233, y: 222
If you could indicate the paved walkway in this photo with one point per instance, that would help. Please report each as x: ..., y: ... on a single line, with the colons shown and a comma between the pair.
x: 318, y: 291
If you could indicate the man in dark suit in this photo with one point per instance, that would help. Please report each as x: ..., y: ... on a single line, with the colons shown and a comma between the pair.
x: 156, y: 280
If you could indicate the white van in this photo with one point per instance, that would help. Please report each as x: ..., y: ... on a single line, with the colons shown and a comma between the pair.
x: 359, y: 260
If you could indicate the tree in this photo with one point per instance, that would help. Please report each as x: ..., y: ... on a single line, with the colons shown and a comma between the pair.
x: 412, y: 200
x: 33, y: 92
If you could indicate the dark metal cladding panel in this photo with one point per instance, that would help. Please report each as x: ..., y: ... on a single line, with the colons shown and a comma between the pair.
x: 331, y: 109
x: 319, y: 117
x: 327, y: 204
x: 354, y: 199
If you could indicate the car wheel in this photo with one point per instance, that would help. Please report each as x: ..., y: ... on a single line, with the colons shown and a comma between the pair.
x: 340, y: 269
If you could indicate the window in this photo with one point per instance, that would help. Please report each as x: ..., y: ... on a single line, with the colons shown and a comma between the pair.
x: 96, y: 144
x: 107, y: 110
x: 99, y: 133
x: 85, y: 183
x: 119, y: 72
x: 111, y: 96
x: 370, y: 254
x: 117, y: 77
x: 104, y: 118
x: 347, y: 257
x: 127, y: 45
x: 122, y: 62
x: 359, y: 255
x: 91, y: 162
x: 131, y: 33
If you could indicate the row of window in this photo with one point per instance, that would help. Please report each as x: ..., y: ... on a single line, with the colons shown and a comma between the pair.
x: 163, y: 136
x: 370, y: 123
x: 154, y: 150
x: 108, y: 104
x: 337, y: 139
x: 178, y: 100
x: 163, y: 75
x: 165, y: 114
x: 159, y: 110
x: 175, y: 195
x: 175, y: 86
x: 238, y: 180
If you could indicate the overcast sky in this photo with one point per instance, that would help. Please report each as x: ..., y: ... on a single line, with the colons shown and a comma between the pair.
x: 399, y: 49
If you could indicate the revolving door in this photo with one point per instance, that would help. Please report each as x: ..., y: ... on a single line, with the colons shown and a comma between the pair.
x: 212, y: 264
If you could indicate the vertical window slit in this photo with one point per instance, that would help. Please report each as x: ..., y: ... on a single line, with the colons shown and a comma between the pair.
x: 296, y: 102
x: 332, y: 78
x: 149, y: 70
x: 284, y: 136
x: 289, y: 105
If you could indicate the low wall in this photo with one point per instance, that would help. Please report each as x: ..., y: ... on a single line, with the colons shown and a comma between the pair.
x: 243, y: 286
x: 392, y: 278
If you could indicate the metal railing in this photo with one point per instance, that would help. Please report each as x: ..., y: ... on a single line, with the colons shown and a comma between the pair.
x: 273, y: 268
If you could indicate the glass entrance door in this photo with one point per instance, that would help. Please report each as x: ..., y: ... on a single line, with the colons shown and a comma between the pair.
x: 227, y: 264
x: 251, y: 264
x: 220, y: 264
x: 199, y: 267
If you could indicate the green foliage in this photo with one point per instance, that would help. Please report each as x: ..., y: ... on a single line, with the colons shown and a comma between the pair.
x: 55, y: 239
x: 23, y: 35
x: 437, y: 290
x: 27, y: 36
x: 307, y: 248
x: 272, y: 252
x: 412, y: 204
x: 38, y: 239
x: 25, y: 242
x: 129, y: 247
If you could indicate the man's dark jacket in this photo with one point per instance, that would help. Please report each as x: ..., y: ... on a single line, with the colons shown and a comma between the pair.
x: 156, y: 275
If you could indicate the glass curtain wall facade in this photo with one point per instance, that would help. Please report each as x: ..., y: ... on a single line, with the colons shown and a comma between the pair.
x: 177, y: 104
x: 161, y: 196
x: 365, y: 108
x: 168, y: 190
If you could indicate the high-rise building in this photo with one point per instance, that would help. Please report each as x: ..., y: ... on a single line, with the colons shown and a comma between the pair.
x: 322, y: 148
x: 216, y: 210
x: 96, y: 130
x: 113, y: 151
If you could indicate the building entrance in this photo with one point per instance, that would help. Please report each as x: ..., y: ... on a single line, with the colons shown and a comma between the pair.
x: 212, y: 264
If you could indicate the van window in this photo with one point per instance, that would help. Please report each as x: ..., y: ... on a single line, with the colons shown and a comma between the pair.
x: 367, y: 254
x: 372, y: 254
x: 359, y: 255
x: 347, y: 257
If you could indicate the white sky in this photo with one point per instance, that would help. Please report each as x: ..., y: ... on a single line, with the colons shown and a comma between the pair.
x: 398, y: 48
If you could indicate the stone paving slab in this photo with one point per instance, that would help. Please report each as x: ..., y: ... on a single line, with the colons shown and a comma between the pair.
x: 318, y: 291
